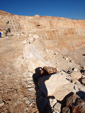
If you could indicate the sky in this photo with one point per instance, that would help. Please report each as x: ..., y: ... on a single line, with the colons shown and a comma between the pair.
x: 74, y: 9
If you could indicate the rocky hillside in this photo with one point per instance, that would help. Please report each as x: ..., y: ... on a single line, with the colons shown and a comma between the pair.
x: 65, y: 32
x: 42, y: 64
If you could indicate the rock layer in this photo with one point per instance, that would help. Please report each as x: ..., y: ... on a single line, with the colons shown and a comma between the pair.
x: 67, y: 33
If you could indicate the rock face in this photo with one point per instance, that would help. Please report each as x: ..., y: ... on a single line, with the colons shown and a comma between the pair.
x: 67, y: 33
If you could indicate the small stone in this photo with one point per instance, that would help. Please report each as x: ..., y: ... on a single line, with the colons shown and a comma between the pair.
x: 24, y: 42
x: 66, y: 110
x: 67, y: 59
x: 25, y: 98
x: 27, y: 102
x: 1, y: 104
x: 31, y: 89
x: 57, y: 108
x: 75, y: 69
x: 52, y: 102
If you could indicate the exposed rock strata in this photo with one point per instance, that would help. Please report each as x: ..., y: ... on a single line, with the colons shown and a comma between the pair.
x: 67, y: 33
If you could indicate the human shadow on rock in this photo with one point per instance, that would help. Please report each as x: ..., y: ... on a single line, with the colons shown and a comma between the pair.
x: 42, y: 99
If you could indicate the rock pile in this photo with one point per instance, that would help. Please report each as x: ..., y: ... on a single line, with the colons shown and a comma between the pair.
x: 73, y: 104
x: 59, y: 92
x: 52, y: 84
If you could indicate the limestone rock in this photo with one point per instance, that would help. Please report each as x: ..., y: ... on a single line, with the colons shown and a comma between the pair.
x: 30, y: 51
x: 76, y: 75
x: 53, y: 101
x: 57, y: 108
x: 54, y: 85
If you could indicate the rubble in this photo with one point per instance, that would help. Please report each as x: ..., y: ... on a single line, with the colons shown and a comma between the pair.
x: 73, y: 103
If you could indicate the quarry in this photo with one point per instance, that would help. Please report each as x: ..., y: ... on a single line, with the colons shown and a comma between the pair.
x: 42, y: 64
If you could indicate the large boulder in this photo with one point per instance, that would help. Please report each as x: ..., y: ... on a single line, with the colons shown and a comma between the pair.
x: 56, y: 85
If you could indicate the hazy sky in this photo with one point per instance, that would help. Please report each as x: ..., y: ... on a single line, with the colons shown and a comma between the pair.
x: 61, y: 8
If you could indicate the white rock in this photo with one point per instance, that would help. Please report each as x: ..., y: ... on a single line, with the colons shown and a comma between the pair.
x: 57, y: 108
x: 80, y: 86
x: 75, y: 69
x: 76, y: 75
x: 27, y: 102
x: 67, y: 59
x: 33, y: 57
x: 25, y: 42
x: 30, y: 51
x: 56, y: 85
x: 1, y: 104
x: 52, y: 102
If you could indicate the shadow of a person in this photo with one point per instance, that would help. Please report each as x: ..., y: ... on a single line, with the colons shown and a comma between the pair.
x: 42, y: 99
